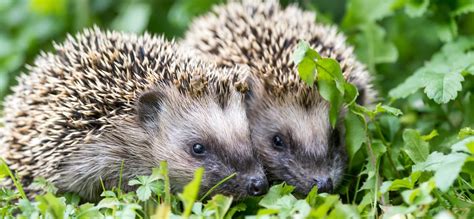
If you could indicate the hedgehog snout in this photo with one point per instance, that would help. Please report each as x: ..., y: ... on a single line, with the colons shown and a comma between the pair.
x: 257, y: 185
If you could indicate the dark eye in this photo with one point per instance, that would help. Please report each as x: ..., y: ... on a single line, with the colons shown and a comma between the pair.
x: 278, y: 142
x: 199, y: 149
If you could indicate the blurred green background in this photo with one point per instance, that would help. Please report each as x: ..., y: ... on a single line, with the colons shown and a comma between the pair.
x: 393, y: 37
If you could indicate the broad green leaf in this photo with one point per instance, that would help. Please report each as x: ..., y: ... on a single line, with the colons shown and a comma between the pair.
x: 419, y: 196
x: 442, y: 75
x: 355, y: 133
x: 446, y: 167
x: 88, y: 210
x: 50, y: 204
x: 307, y: 70
x: 416, y: 8
x: 333, y: 70
x: 344, y: 211
x: 462, y: 146
x: 329, y: 91
x: 409, y: 86
x: 143, y: 193
x: 275, y: 193
x: 415, y: 147
x: 443, y: 87
x: 300, y: 52
x: 397, y: 211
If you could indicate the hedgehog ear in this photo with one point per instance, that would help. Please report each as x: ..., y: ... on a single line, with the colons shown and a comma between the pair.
x: 254, y: 89
x: 149, y: 106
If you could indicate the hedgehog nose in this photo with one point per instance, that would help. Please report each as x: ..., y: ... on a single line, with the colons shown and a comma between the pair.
x: 324, y: 184
x: 257, y: 186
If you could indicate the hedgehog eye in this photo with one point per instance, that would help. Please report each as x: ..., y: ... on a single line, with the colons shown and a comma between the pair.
x: 278, y: 142
x: 198, y: 149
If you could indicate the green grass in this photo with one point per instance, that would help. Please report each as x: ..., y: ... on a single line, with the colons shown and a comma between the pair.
x: 412, y: 154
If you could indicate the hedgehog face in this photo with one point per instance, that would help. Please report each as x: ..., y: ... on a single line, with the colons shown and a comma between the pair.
x: 296, y: 143
x: 202, y: 132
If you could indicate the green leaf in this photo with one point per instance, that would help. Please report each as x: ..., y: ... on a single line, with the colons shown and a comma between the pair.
x: 467, y: 7
x: 355, y: 132
x: 307, y: 70
x: 443, y: 87
x: 398, y: 184
x: 183, y: 11
x: 190, y: 192
x: 143, y: 193
x: 350, y: 93
x: 46, y: 7
x: 5, y: 171
x: 387, y: 109
x: 446, y: 167
x: 275, y: 193
x: 419, y: 196
x: 325, y: 206
x: 50, y: 204
x: 373, y: 47
x: 219, y: 205
x: 328, y: 90
x: 41, y: 183
x: 415, y: 147
x: 442, y: 75
x: 167, y: 188
x: 466, y: 131
x: 462, y: 146
x: 133, y: 18
x: 430, y: 136
x: 236, y: 208
x: 358, y: 11
x: 300, y: 52
x: 334, y: 72
x: 409, y: 86
x: 395, y: 211
x: 344, y: 211
x: 416, y: 8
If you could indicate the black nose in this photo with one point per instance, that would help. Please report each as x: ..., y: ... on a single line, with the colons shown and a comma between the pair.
x: 257, y: 186
x: 324, y: 184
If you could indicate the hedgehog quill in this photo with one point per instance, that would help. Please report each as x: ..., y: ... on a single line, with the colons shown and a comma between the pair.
x: 289, y: 120
x: 106, y: 97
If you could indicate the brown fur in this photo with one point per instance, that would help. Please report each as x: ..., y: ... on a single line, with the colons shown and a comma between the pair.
x: 107, y: 97
x: 263, y: 36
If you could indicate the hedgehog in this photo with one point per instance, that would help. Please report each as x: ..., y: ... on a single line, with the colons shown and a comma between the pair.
x: 105, y: 100
x: 289, y: 120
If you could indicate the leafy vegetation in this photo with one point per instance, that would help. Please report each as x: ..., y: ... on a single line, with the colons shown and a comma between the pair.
x: 412, y: 154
